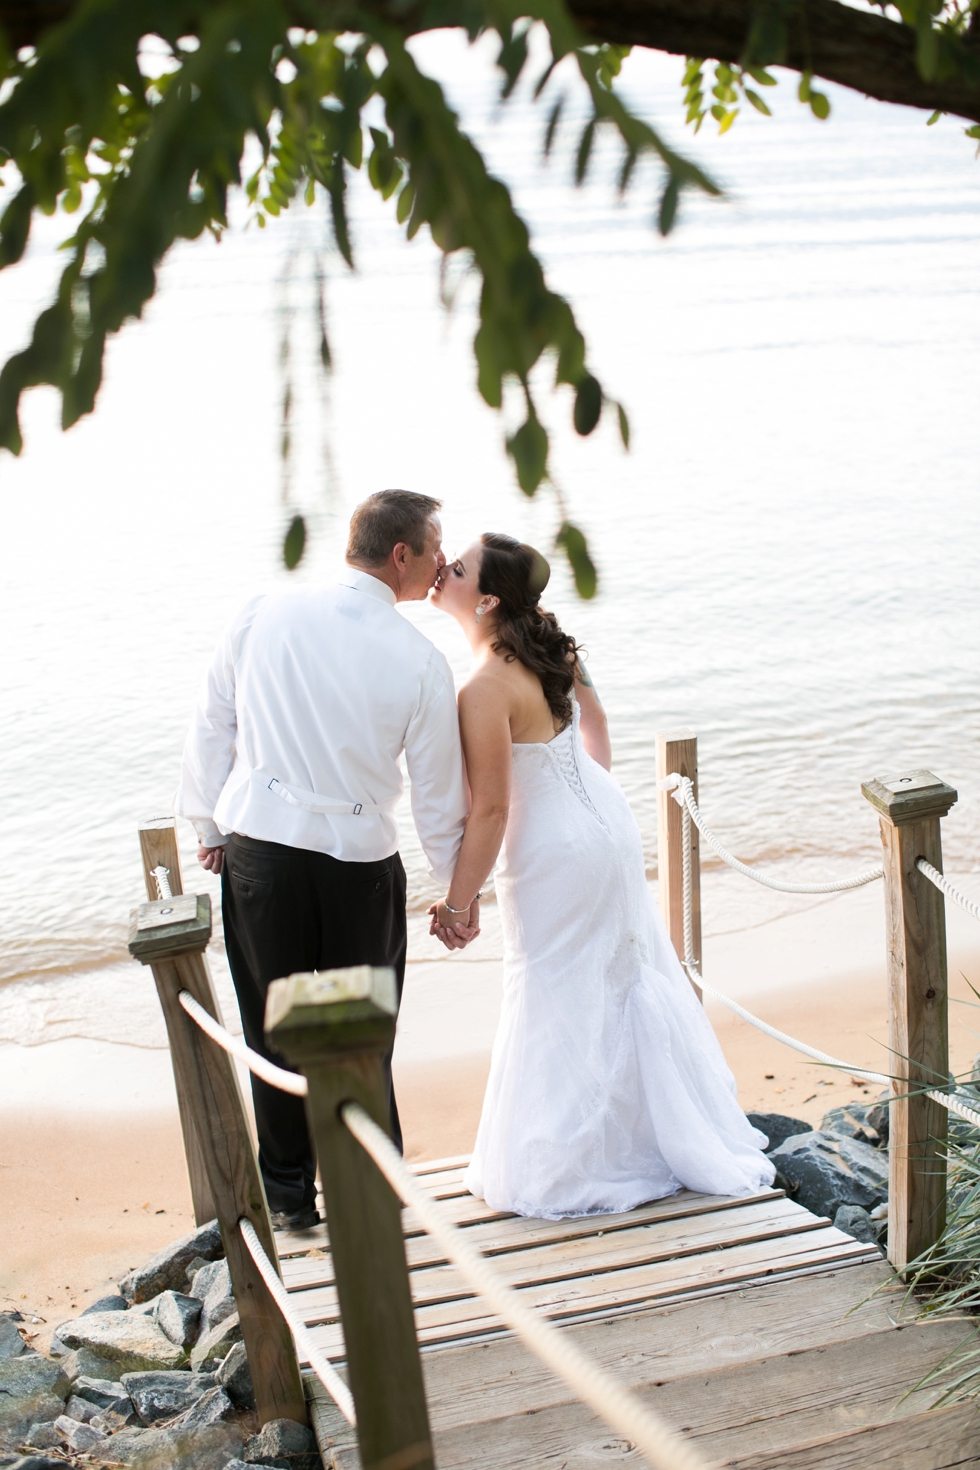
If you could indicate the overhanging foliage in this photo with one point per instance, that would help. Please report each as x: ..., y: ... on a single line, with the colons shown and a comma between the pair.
x: 146, y: 161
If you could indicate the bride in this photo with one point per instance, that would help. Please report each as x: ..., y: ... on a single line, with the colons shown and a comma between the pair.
x: 607, y: 1085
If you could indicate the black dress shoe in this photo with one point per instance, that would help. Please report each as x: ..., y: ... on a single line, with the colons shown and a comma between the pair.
x: 302, y: 1220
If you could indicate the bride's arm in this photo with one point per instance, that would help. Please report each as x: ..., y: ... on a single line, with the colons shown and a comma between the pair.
x: 484, y: 727
x: 593, y: 725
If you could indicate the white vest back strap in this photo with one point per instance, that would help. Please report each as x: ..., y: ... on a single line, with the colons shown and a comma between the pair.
x: 323, y: 805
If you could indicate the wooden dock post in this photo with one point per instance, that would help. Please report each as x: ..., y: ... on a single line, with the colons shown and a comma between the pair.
x: 170, y: 935
x: 336, y: 1026
x: 677, y: 751
x: 910, y: 808
x: 158, y: 846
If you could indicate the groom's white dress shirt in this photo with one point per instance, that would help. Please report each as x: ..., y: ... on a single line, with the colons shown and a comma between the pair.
x: 310, y: 700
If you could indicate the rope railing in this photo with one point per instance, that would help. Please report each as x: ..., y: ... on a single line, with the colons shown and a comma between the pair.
x: 682, y: 790
x: 292, y: 1082
x: 664, y: 1449
x: 945, y: 1099
x: 302, y: 1336
x: 620, y: 1408
x: 945, y: 887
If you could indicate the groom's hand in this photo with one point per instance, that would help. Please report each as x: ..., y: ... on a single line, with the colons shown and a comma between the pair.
x: 210, y: 858
x: 454, y: 932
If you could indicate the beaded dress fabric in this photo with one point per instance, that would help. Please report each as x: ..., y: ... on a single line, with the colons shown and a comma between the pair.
x: 607, y: 1085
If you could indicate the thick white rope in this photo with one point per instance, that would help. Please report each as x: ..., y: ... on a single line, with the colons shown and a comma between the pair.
x: 162, y: 876
x: 656, y: 1440
x: 944, y: 886
x: 268, y: 1071
x: 682, y: 790
x: 948, y: 1101
x: 303, y: 1338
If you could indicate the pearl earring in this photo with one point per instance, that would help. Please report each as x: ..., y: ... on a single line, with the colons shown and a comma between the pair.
x: 480, y: 611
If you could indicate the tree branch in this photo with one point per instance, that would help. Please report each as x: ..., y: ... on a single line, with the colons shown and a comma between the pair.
x: 865, y: 52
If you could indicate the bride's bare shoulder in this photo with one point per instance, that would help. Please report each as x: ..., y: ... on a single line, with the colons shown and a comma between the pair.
x: 491, y: 683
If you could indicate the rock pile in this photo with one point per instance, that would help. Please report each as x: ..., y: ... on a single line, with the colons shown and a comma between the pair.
x: 839, y: 1170
x: 154, y: 1378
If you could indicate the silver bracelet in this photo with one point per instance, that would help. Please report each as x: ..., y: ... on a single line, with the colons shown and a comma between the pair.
x: 461, y: 911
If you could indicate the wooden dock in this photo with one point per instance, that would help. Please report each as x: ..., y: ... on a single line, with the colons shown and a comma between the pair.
x: 767, y: 1335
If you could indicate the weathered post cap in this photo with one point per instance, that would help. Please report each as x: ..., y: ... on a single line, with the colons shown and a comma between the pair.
x: 350, y: 1009
x: 908, y: 797
x: 170, y: 926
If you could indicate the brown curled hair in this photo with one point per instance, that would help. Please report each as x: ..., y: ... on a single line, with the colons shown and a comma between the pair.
x: 517, y: 575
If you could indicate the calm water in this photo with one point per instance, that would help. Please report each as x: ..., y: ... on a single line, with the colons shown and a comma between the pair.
x: 788, y: 553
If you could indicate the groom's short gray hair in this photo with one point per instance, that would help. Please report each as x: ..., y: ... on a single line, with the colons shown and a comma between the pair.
x: 383, y: 520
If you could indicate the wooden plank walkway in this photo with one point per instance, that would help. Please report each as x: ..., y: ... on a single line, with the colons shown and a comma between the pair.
x: 767, y: 1335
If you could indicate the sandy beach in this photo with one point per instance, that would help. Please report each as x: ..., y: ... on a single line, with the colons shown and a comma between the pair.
x: 93, y: 1177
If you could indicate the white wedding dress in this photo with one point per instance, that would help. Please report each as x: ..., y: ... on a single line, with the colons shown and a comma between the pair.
x: 607, y: 1084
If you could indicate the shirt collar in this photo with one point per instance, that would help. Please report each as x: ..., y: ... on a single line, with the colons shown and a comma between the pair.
x: 364, y: 582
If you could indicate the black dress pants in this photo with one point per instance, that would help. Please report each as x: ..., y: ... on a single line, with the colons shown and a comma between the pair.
x: 287, y: 910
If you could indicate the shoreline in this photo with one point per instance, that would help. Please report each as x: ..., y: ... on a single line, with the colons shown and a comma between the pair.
x: 92, y: 1157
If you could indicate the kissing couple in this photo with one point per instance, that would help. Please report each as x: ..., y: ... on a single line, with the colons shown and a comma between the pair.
x: 607, y: 1086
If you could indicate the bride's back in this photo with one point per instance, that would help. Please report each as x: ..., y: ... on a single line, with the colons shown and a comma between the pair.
x: 511, y: 684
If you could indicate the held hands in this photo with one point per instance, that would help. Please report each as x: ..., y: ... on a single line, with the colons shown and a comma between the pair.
x: 211, y: 858
x: 455, y: 930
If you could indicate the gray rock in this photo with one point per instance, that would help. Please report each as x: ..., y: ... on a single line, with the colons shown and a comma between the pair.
x: 192, y: 1269
x: 857, y: 1223
x: 33, y: 1390
x: 285, y: 1445
x: 56, y: 1348
x: 877, y: 1117
x: 168, y: 1269
x: 82, y: 1362
x: 80, y: 1409
x: 158, y: 1396
x: 111, y: 1422
x: 209, y: 1448
x: 851, y: 1122
x: 133, y: 1342
x: 11, y: 1342
x: 205, y: 1277
x: 114, y: 1303
x: 43, y: 1437
x: 218, y: 1342
x: 103, y: 1393
x: 777, y: 1127
x: 81, y: 1437
x: 235, y: 1377
x: 33, y: 1462
x: 210, y: 1408
x: 823, y: 1171
x: 178, y: 1316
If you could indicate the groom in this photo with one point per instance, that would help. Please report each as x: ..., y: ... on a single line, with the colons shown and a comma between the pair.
x: 290, y: 776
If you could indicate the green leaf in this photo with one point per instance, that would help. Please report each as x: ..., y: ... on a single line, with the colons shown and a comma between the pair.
x: 935, y: 117
x: 405, y: 201
x: 588, y: 405
x: 584, y: 151
x: 973, y: 132
x: 528, y: 448
x: 819, y: 105
x: 757, y: 102
x: 552, y: 128
x: 669, y: 201
x: 576, y: 548
x: 624, y: 425
x: 15, y: 225
x: 294, y: 543
x: 511, y: 60
x: 760, y: 75
x: 803, y: 91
